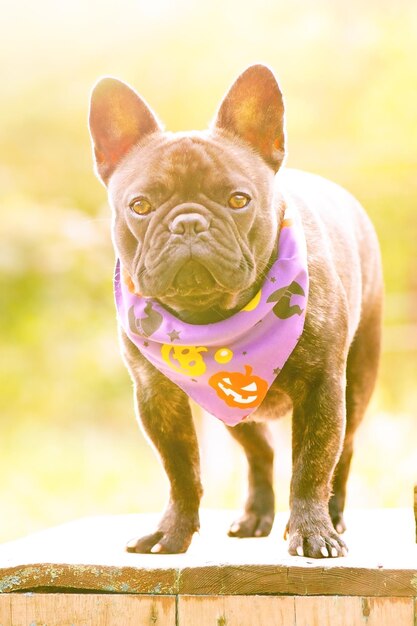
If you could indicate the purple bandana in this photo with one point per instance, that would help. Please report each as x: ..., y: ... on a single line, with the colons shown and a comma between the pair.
x: 226, y: 367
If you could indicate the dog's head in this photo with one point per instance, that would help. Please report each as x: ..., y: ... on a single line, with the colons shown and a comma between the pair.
x: 195, y: 220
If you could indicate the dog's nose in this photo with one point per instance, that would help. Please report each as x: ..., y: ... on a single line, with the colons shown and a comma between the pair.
x: 188, y: 224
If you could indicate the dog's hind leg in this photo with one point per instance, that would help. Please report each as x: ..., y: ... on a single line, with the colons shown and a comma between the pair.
x: 259, y: 512
x: 362, y: 366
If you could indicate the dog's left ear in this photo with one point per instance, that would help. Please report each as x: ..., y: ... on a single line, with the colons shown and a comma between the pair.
x: 253, y: 110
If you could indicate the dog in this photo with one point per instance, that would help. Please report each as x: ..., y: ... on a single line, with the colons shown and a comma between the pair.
x: 200, y: 221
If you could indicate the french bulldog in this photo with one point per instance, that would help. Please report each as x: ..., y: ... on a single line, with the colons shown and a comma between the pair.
x: 196, y: 224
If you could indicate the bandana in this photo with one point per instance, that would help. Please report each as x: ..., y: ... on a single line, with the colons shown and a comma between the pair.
x: 227, y: 367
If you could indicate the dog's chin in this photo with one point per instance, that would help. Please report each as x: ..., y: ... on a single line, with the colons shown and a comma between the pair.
x: 196, y: 296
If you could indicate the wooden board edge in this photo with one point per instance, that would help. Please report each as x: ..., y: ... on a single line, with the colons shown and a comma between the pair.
x: 91, y: 578
x: 213, y: 580
x: 302, y: 581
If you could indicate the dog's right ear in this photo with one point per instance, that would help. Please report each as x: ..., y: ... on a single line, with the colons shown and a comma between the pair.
x: 118, y: 119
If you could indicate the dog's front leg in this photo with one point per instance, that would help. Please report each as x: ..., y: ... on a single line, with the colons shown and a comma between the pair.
x: 166, y: 417
x: 318, y: 429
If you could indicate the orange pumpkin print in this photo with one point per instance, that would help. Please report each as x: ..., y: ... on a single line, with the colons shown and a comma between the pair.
x: 244, y: 391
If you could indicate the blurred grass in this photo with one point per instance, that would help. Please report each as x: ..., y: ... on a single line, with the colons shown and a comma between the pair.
x: 70, y: 443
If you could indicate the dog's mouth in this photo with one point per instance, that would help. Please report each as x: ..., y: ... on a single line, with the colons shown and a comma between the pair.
x: 193, y: 279
x: 192, y: 284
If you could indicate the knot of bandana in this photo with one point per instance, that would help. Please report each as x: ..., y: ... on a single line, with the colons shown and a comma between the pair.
x: 227, y: 367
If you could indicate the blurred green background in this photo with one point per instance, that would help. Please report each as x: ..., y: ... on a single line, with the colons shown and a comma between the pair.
x: 70, y: 443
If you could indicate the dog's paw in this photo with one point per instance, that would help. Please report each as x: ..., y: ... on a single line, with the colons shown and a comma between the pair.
x: 317, y: 546
x: 161, y: 543
x: 338, y: 523
x: 311, y: 533
x: 252, y: 524
x: 336, y: 515
x: 148, y: 543
x: 173, y: 536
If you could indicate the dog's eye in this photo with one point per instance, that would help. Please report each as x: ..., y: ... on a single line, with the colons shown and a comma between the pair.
x: 238, y: 200
x: 140, y: 206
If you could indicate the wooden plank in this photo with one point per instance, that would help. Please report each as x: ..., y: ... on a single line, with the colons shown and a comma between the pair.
x: 130, y: 610
x: 297, y: 580
x: 236, y: 611
x: 354, y: 611
x: 56, y: 609
x: 78, y: 577
x: 6, y: 610
x: 294, y: 611
x: 215, y: 580
x: 89, y: 555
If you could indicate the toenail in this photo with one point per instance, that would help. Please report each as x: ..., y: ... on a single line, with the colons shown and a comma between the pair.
x: 157, y: 548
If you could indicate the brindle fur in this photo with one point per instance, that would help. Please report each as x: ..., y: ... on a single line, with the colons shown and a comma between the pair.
x: 329, y: 377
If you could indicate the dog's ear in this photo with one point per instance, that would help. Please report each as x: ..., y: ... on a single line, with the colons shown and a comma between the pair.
x: 119, y: 119
x: 253, y: 110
